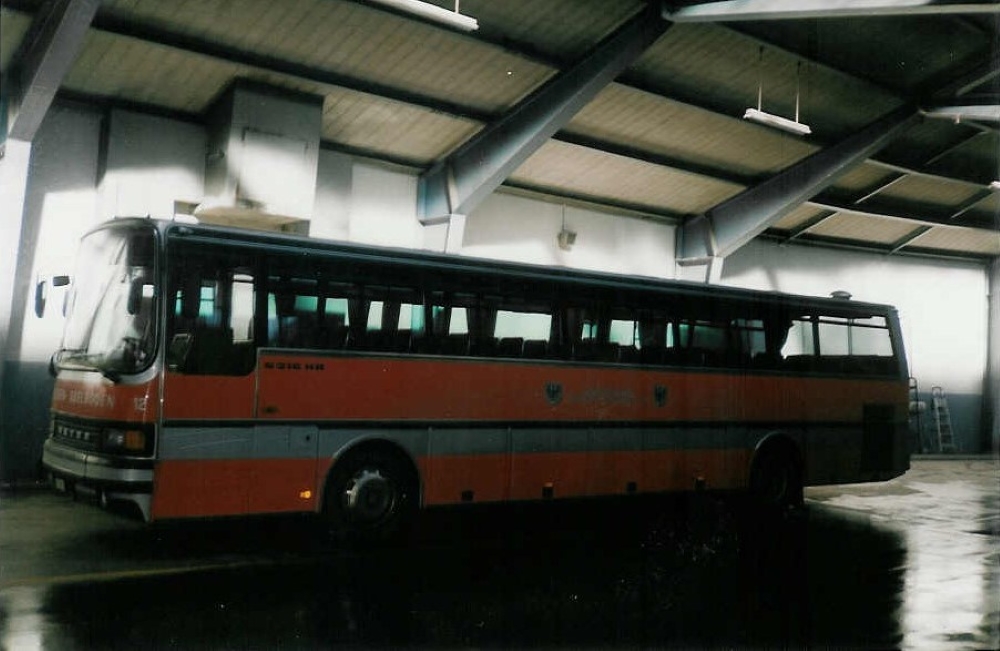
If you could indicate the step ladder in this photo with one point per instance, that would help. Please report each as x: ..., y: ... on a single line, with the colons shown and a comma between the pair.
x: 942, y: 419
x: 918, y: 442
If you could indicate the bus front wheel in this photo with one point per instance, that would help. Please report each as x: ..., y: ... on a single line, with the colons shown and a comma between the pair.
x: 371, y: 496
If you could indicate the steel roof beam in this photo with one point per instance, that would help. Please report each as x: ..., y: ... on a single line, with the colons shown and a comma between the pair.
x: 803, y: 228
x: 40, y: 69
x: 953, y: 219
x: 909, y: 238
x: 745, y: 10
x: 989, y: 113
x: 728, y: 226
x: 175, y: 40
x: 457, y: 184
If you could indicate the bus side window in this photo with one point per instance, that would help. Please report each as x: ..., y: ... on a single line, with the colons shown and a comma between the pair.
x: 394, y: 320
x: 337, y: 321
x: 858, y: 346
x: 624, y: 334
x: 799, y: 349
x: 748, y: 344
x: 449, y: 332
x: 655, y: 336
x: 211, y: 325
x: 514, y: 328
x: 293, y: 313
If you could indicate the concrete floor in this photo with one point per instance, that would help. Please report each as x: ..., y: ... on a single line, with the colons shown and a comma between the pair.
x: 912, y: 563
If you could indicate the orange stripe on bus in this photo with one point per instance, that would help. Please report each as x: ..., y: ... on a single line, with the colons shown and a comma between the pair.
x: 331, y: 388
x: 208, y: 397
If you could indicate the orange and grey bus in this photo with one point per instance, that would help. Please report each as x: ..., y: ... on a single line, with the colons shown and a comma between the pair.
x: 208, y: 371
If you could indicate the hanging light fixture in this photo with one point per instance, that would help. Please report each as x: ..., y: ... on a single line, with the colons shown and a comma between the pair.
x: 760, y: 116
x: 566, y: 237
x: 433, y: 12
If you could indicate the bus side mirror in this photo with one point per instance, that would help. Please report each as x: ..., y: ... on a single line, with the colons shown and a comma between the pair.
x: 42, y: 292
x: 41, y: 295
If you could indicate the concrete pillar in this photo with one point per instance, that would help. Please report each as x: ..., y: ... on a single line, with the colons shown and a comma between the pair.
x: 991, y: 403
x: 13, y: 188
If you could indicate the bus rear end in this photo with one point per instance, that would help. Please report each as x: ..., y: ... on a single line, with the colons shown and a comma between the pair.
x: 102, y: 437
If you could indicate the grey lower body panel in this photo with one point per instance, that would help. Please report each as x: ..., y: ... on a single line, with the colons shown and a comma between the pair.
x: 116, y: 478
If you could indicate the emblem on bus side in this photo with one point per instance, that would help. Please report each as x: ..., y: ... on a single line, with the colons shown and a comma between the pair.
x: 553, y: 393
x: 660, y: 395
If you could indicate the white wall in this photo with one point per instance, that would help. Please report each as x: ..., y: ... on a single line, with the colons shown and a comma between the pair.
x: 992, y: 409
x: 60, y: 206
x: 383, y: 207
x: 151, y: 162
x: 332, y: 209
x: 511, y: 227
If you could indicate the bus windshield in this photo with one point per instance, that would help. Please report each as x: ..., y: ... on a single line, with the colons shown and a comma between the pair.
x: 110, y: 324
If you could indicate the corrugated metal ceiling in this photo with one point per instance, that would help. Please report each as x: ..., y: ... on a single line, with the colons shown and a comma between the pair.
x: 667, y: 138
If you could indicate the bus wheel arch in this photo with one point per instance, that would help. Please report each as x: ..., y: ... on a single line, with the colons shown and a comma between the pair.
x: 777, y: 472
x: 371, y: 492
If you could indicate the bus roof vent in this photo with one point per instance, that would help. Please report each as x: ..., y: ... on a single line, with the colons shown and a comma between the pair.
x: 841, y: 294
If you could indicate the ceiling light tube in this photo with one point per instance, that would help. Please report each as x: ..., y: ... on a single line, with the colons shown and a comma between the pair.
x: 433, y: 12
x: 995, y: 186
x: 776, y: 121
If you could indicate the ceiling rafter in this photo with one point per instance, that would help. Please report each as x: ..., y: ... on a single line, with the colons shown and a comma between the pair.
x: 56, y: 39
x: 831, y: 242
x: 392, y: 93
x: 909, y: 238
x: 744, y: 10
x: 132, y: 29
x: 458, y: 183
x: 827, y: 203
x: 166, y: 38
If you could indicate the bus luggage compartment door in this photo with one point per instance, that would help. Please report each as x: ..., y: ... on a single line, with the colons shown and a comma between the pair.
x: 283, y: 478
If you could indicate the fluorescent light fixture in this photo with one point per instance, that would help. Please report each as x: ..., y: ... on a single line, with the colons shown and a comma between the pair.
x: 776, y: 121
x: 433, y: 12
x: 995, y: 186
x: 566, y: 239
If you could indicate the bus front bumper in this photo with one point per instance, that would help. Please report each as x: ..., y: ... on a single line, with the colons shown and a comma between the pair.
x: 110, y: 478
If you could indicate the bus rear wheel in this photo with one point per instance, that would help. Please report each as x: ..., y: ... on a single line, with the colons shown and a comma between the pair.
x: 370, y: 497
x: 776, y: 480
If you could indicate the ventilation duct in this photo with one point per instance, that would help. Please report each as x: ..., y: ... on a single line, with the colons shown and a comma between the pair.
x: 263, y: 153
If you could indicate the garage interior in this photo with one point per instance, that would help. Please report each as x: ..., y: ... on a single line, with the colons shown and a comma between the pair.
x: 808, y: 148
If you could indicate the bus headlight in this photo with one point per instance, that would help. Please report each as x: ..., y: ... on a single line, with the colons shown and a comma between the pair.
x: 129, y: 440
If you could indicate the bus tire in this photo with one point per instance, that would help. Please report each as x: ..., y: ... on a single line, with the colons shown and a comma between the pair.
x: 776, y: 478
x: 371, y: 496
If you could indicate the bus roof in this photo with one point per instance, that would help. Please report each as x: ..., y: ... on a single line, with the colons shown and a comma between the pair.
x: 304, y: 245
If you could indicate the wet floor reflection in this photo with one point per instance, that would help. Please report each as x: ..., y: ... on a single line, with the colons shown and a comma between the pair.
x: 684, y: 573
x: 953, y: 581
